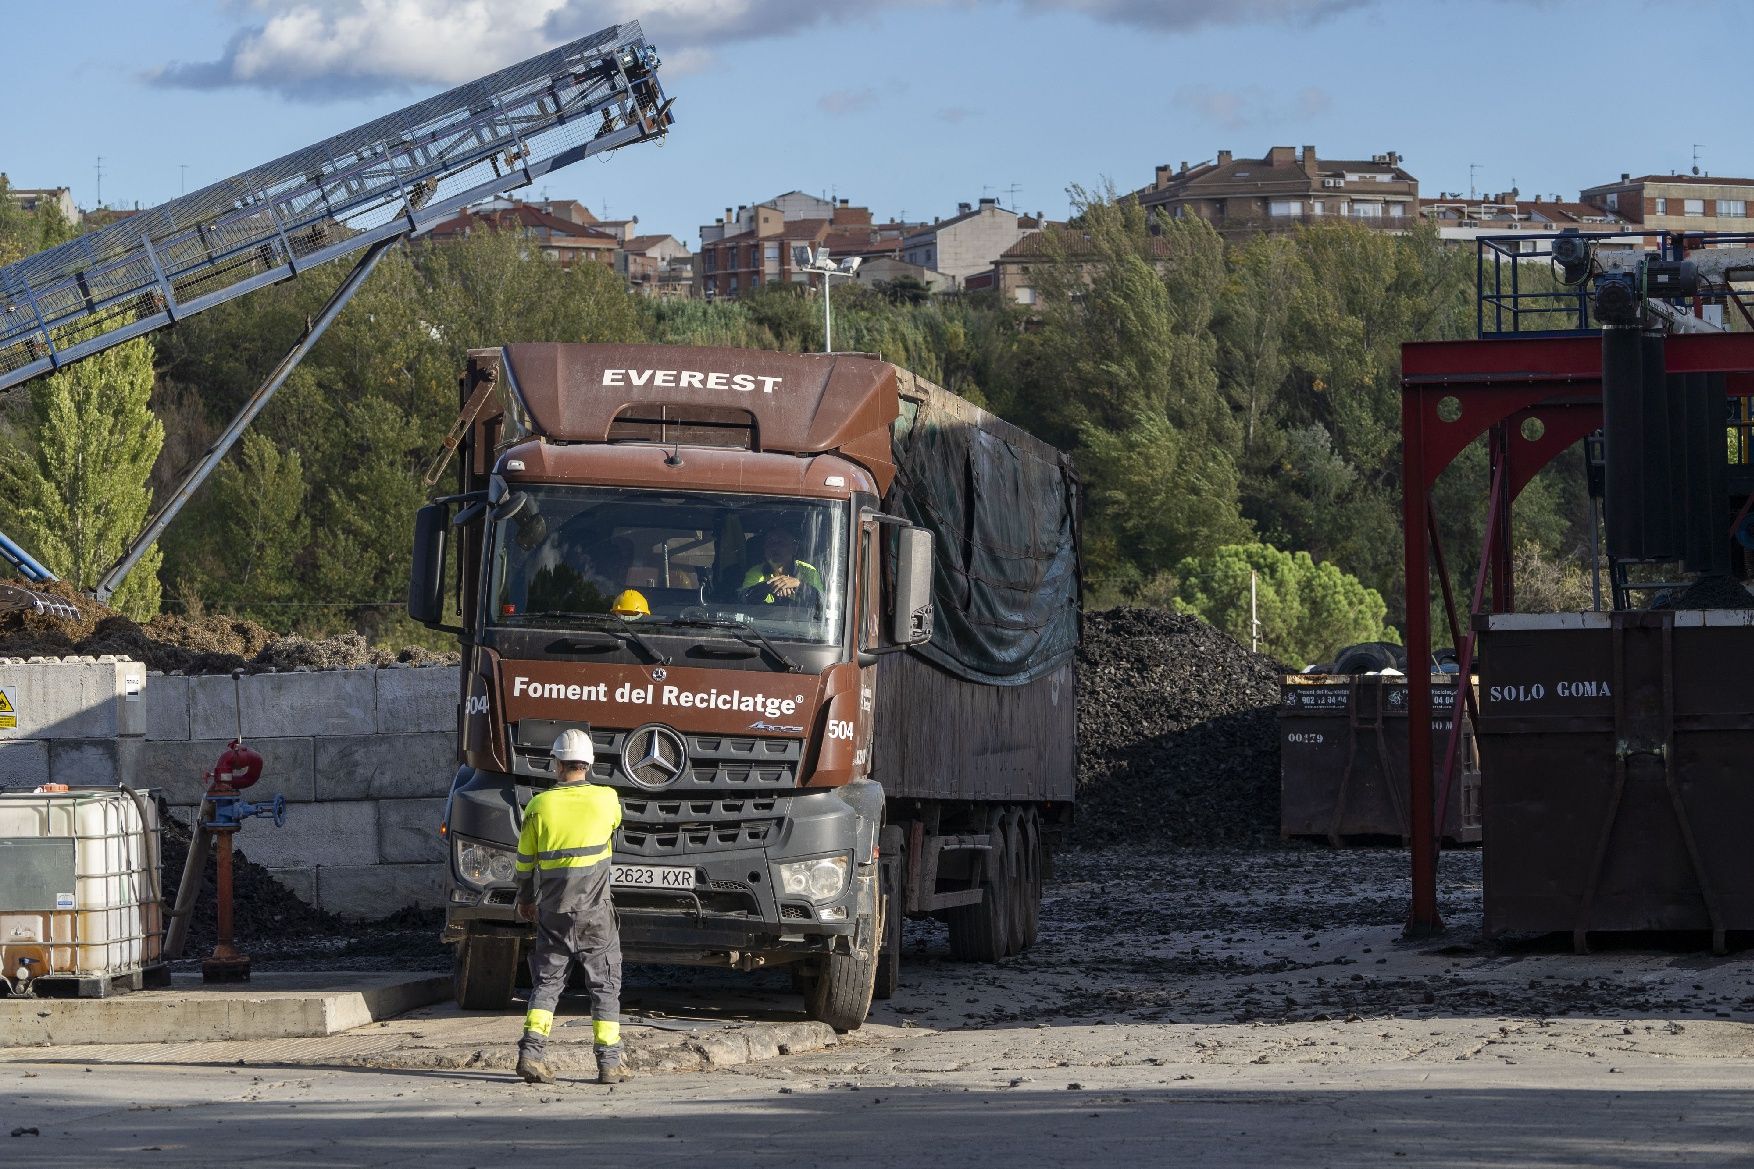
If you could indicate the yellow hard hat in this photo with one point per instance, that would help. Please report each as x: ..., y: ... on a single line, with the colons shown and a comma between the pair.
x: 630, y: 603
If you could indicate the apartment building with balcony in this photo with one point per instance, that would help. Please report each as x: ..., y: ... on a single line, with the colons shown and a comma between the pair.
x: 1287, y: 187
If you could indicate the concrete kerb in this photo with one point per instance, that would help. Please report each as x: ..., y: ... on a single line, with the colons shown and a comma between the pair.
x: 436, y: 1039
x: 273, y: 1006
x: 646, y: 1050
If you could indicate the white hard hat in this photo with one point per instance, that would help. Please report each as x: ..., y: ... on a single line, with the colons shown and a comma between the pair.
x: 574, y: 746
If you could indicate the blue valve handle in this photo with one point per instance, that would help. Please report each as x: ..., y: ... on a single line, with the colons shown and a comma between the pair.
x: 232, y: 811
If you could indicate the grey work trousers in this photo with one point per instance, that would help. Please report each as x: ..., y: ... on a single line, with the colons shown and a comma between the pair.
x: 577, y: 927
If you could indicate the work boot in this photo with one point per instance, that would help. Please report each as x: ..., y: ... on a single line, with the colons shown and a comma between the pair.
x: 609, y: 1065
x: 533, y: 1060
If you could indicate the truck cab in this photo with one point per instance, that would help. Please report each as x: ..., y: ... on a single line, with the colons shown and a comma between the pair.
x: 685, y: 554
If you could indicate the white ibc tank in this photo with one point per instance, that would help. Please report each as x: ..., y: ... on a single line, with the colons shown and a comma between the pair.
x: 79, y: 882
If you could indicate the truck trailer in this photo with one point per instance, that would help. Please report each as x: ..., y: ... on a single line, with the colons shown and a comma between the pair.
x: 819, y: 617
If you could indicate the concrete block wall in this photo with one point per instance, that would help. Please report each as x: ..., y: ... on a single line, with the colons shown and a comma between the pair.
x: 74, y: 720
x: 363, y: 757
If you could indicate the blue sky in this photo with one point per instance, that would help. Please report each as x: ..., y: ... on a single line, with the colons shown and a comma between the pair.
x: 907, y: 106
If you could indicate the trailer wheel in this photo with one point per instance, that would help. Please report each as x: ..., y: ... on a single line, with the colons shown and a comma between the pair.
x: 982, y: 932
x: 1017, y: 874
x: 892, y: 868
x: 483, y: 972
x: 1032, y: 884
x: 840, y: 993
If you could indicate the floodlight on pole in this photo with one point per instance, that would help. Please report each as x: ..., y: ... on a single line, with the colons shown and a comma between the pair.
x: 819, y: 262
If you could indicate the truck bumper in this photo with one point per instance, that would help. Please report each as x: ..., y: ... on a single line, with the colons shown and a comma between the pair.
x: 737, y: 913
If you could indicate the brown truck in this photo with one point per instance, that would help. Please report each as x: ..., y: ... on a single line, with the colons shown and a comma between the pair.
x: 819, y: 617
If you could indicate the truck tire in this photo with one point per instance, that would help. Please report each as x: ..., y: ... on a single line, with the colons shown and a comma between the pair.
x: 1017, y: 874
x: 982, y: 932
x: 484, y: 971
x: 1034, y: 860
x: 840, y: 993
x: 892, y: 849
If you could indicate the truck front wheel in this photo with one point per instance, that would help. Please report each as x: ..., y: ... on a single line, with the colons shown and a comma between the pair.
x: 484, y: 972
x: 840, y: 992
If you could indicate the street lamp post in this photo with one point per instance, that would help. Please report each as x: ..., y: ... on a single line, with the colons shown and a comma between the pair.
x: 818, y: 261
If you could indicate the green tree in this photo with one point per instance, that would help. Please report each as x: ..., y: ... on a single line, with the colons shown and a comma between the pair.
x: 244, y: 540
x: 78, y: 471
x: 1306, y: 610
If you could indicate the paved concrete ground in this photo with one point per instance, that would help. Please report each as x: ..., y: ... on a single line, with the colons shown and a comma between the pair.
x: 950, y: 1101
x: 1226, y: 1009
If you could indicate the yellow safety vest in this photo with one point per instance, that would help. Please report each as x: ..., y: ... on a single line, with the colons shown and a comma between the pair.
x: 806, y: 574
x: 568, y: 827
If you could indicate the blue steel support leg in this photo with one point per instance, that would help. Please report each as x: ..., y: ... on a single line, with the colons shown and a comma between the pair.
x: 28, y: 566
x: 112, y: 580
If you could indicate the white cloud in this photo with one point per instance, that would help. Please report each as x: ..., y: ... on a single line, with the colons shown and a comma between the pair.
x: 846, y: 101
x: 336, y: 48
x: 1247, y: 106
x: 1185, y: 14
x: 316, y: 49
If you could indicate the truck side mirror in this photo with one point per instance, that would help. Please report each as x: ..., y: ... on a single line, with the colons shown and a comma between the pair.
x: 426, y: 581
x: 913, y: 587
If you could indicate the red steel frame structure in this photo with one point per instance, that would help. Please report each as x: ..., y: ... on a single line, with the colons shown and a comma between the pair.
x: 1453, y: 392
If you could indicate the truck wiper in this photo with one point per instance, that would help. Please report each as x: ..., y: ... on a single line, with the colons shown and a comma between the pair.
x: 613, y: 626
x: 747, y: 634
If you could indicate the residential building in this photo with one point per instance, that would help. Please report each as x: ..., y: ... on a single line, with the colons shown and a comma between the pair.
x: 1287, y: 187
x: 35, y: 198
x: 888, y: 269
x: 561, y: 240
x: 570, y: 209
x: 1460, y: 218
x: 1678, y: 202
x: 762, y: 254
x: 656, y: 265
x: 1016, y: 274
x: 793, y: 206
x: 621, y: 229
x: 967, y: 242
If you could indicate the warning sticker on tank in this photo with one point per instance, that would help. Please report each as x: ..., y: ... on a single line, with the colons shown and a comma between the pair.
x: 64, y: 901
x: 8, y: 716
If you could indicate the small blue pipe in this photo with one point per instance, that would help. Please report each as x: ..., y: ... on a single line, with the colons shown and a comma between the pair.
x: 23, y: 561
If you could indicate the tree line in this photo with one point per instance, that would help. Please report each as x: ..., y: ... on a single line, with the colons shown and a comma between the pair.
x: 1233, y: 408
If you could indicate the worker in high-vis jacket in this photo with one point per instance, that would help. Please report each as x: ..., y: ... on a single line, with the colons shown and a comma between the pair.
x: 563, y: 886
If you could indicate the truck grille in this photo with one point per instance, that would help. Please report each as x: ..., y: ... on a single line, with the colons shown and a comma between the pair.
x: 716, y: 762
x: 668, y: 827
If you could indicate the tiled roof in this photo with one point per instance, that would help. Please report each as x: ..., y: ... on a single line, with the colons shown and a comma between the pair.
x: 524, y: 215
x: 1700, y: 180
x: 1063, y: 239
x: 645, y: 243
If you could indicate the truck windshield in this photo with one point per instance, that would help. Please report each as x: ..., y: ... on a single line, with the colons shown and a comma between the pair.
x: 573, y: 556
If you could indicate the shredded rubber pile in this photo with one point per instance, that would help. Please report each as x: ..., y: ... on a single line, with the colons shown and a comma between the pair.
x: 174, y: 644
x: 1178, y: 733
x: 279, y: 931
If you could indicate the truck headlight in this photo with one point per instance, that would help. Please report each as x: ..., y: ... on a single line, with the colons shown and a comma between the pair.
x: 483, y: 864
x: 822, y: 879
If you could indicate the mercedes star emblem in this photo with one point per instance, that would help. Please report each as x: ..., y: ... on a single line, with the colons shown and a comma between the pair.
x: 659, y: 674
x: 654, y: 756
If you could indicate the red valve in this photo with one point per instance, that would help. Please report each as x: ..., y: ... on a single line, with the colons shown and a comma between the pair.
x: 238, y: 767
